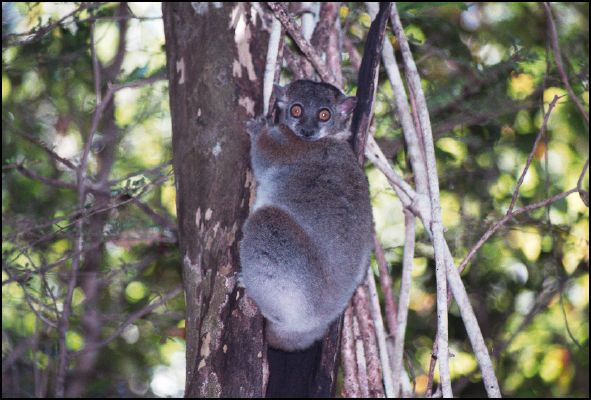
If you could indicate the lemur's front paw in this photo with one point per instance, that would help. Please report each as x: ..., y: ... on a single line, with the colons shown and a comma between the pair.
x: 240, y: 280
x: 256, y: 125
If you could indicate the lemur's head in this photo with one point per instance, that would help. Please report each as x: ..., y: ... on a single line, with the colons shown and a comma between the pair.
x: 313, y: 110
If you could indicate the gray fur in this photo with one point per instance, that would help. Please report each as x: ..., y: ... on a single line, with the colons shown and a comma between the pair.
x: 306, y: 246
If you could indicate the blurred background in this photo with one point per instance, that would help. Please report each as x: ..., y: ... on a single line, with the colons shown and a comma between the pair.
x: 489, y: 76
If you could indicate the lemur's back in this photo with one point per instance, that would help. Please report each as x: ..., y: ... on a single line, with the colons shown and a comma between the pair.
x: 332, y: 206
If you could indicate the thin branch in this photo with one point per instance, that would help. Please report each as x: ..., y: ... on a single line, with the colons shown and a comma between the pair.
x: 409, y: 197
x: 377, y: 157
x: 142, y: 172
x: 541, y: 133
x: 560, y: 65
x: 376, y: 314
x: 39, y: 32
x: 386, y: 285
x: 82, y: 213
x: 403, y: 112
x: 491, y: 231
x: 29, y: 299
x: 510, y: 213
x: 55, y: 183
x: 364, y: 314
x: 293, y: 30
x: 160, y: 219
x: 412, y: 200
x: 293, y: 64
x: 431, y: 373
x: 131, y: 319
x: 270, y: 64
x: 18, y: 351
x: 354, y: 56
x: 310, y: 18
x: 542, y: 300
x: 567, y: 325
x: 326, y: 38
x: 96, y: 67
x: 49, y: 151
x: 64, y: 321
x: 583, y: 193
x: 404, y: 299
x: 101, y: 107
x: 112, y: 70
x: 436, y: 227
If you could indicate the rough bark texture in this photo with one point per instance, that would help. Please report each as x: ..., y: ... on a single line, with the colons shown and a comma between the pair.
x: 215, y: 55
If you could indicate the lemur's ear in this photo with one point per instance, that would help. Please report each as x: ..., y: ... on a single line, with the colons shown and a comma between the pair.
x: 347, y: 105
x: 280, y: 98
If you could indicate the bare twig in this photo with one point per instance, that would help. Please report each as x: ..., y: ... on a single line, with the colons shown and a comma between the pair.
x: 49, y: 151
x: 142, y: 172
x: 542, y: 300
x: 582, y: 192
x: 510, y: 213
x: 82, y: 212
x: 559, y: 63
x: 431, y: 373
x: 293, y: 65
x: 354, y: 56
x: 96, y: 67
x: 326, y: 39
x: 28, y: 298
x: 293, y: 30
x: 374, y: 154
x: 376, y: 314
x: 55, y: 183
x: 18, y: 351
x: 39, y: 32
x: 270, y: 65
x: 404, y: 299
x: 160, y: 219
x: 131, y: 319
x: 509, y: 217
x: 541, y: 133
x: 386, y: 285
x: 411, y: 136
x: 64, y: 321
x: 100, y: 109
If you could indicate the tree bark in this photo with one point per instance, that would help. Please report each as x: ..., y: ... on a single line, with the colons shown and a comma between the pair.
x: 215, y: 55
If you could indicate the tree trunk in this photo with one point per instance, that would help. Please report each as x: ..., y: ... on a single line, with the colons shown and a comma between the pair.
x: 215, y: 56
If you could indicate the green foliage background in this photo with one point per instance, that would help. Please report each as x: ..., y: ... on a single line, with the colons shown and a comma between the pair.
x: 487, y: 74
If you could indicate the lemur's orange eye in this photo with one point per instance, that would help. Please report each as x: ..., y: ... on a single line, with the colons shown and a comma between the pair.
x: 324, y: 115
x: 296, y: 110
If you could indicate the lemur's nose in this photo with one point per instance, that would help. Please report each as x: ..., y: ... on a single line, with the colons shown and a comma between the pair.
x: 307, y: 133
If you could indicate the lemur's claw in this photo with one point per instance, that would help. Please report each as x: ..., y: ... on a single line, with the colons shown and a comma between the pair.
x: 255, y: 125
